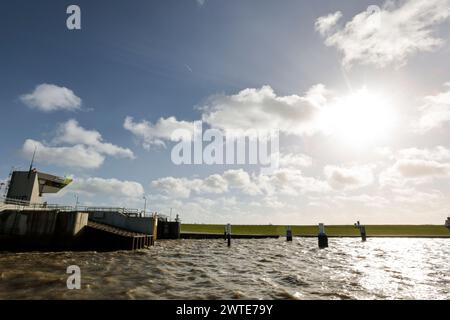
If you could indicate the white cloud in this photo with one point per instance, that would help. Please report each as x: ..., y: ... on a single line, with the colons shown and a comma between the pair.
x: 326, y: 23
x: 201, y: 2
x: 74, y: 146
x: 438, y: 153
x: 421, y: 168
x: 214, y: 184
x: 295, y: 160
x: 183, y: 187
x: 262, y: 110
x: 288, y: 192
x: 281, y: 182
x: 95, y: 187
x: 250, y: 111
x: 435, y: 112
x: 73, y: 156
x: 269, y: 202
x: 176, y: 187
x: 71, y: 133
x: 417, y: 166
x: 155, y: 134
x: 50, y: 97
x: 290, y: 181
x: 241, y: 180
x: 349, y: 177
x: 389, y: 35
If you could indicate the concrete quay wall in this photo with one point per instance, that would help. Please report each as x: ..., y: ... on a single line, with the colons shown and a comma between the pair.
x: 40, y: 228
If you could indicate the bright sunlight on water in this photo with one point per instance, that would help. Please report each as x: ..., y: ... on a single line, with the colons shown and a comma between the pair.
x: 385, y: 268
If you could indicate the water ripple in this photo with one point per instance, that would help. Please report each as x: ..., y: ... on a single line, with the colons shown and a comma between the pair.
x: 250, y: 269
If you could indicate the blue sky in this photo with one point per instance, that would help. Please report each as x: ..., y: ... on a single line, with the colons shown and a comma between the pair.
x: 153, y: 60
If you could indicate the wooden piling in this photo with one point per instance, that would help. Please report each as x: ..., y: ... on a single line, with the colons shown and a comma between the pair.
x: 363, y: 233
x: 289, y: 234
x: 228, y: 234
x: 155, y: 227
x: 322, y: 237
x: 362, y: 230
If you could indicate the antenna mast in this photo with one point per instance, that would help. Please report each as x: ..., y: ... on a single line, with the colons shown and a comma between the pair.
x: 32, y: 161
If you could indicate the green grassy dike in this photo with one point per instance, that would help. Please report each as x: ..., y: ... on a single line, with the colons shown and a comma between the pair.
x: 331, y: 230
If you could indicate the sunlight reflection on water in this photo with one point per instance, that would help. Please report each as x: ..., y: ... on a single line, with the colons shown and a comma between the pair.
x: 381, y: 268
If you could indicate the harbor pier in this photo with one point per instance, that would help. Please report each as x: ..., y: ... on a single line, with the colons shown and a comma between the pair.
x: 28, y: 223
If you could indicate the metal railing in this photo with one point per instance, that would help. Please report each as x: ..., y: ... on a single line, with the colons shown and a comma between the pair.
x: 124, y: 211
x: 9, y: 203
x: 14, y: 201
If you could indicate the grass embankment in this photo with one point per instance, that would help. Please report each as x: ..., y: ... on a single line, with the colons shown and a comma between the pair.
x: 332, y: 230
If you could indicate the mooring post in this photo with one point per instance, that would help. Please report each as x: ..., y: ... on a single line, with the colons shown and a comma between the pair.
x: 155, y: 227
x: 363, y: 233
x: 229, y: 234
x: 362, y: 230
x: 323, y: 238
x: 289, y: 233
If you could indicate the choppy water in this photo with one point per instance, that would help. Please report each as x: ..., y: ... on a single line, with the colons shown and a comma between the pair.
x: 250, y: 269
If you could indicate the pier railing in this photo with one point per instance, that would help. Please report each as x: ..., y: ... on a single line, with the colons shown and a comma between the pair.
x: 16, y: 204
x: 124, y: 211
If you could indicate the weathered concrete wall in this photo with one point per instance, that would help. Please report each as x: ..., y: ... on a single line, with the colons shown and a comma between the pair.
x: 24, y: 186
x: 142, y: 225
x: 169, y: 230
x: 118, y: 220
x: 71, y: 223
x: 41, y: 223
x: 29, y: 230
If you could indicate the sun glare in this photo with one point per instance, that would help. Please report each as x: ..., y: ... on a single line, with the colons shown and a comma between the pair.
x: 361, y: 118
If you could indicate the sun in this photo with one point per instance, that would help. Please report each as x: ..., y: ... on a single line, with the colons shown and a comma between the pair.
x: 361, y: 118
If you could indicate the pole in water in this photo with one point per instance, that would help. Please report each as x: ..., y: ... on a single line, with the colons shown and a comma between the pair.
x: 363, y: 233
x: 323, y: 238
x: 289, y: 233
x: 229, y: 234
x: 362, y: 230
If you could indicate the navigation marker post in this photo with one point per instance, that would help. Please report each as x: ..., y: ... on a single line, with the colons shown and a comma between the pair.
x: 289, y: 233
x: 362, y: 231
x: 323, y: 238
x: 228, y: 232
